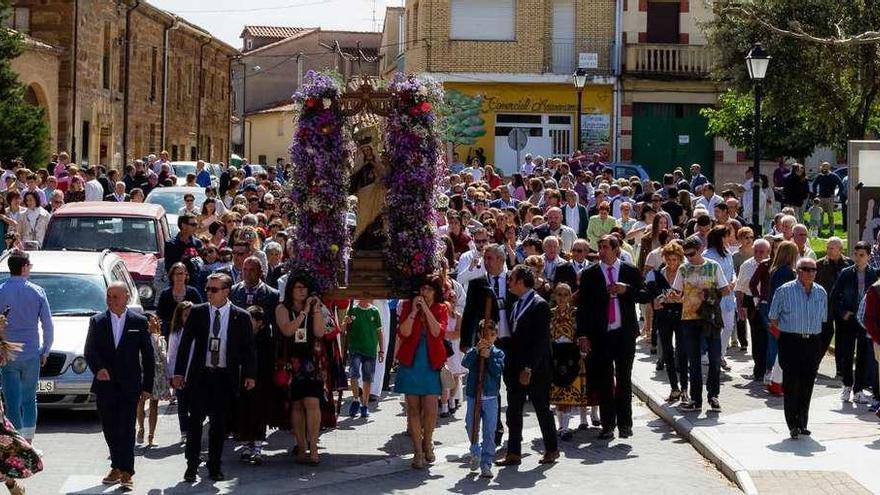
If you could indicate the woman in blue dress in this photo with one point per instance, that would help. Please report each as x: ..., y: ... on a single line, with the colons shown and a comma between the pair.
x: 421, y: 355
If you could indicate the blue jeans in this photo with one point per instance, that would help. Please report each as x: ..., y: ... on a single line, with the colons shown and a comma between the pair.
x: 772, y: 342
x: 692, y: 337
x: 20, y: 391
x: 489, y: 417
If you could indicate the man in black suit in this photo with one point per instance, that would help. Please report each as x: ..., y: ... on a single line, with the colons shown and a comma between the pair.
x: 119, y: 352
x: 607, y: 327
x: 556, y: 269
x: 528, y: 366
x: 119, y: 195
x: 224, y: 356
x: 492, y: 286
x: 252, y: 290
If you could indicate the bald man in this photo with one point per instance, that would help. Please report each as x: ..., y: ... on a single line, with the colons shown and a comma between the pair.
x: 119, y: 351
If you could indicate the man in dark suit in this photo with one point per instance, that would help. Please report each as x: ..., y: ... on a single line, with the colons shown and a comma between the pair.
x: 493, y: 286
x: 224, y: 356
x: 119, y: 351
x: 252, y: 290
x: 607, y: 327
x: 119, y: 195
x: 504, y: 201
x: 528, y: 366
x: 556, y: 269
x: 574, y: 214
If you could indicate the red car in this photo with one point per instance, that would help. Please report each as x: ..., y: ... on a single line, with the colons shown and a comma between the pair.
x: 135, y: 231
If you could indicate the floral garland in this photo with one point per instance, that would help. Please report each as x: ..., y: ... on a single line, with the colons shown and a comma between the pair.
x: 321, y: 156
x: 412, y: 139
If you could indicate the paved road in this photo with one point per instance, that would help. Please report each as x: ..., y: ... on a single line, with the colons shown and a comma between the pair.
x: 654, y: 461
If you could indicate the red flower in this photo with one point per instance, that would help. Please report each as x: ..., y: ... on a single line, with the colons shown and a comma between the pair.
x: 425, y: 107
x: 311, y: 103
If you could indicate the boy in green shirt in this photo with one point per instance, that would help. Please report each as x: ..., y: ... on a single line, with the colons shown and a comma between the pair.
x: 364, y: 327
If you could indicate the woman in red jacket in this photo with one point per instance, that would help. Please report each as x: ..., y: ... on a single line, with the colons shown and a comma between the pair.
x: 421, y: 356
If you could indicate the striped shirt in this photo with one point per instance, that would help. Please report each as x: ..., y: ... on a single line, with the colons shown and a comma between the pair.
x: 799, y: 312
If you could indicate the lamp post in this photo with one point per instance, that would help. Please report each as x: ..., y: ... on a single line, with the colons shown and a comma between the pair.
x: 580, y: 80
x: 757, y: 62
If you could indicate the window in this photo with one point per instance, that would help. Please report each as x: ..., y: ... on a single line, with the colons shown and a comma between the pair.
x: 154, y: 72
x: 21, y: 20
x: 174, y: 155
x: 105, y: 57
x: 401, y: 34
x: 122, y: 47
x: 249, y: 44
x: 280, y: 123
x: 663, y: 22
x: 193, y: 153
x: 86, y: 139
x: 483, y: 20
x: 415, y: 23
x: 179, y: 84
x: 261, y: 159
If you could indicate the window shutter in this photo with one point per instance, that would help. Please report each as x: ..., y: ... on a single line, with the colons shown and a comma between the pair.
x: 483, y: 20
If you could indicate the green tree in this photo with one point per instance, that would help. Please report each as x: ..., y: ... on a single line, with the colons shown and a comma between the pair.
x: 823, y: 83
x: 462, y: 114
x: 24, y: 132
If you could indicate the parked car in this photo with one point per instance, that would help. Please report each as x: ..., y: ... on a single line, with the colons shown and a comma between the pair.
x: 627, y: 170
x: 171, y: 199
x: 76, y: 286
x: 180, y: 169
x: 136, y: 231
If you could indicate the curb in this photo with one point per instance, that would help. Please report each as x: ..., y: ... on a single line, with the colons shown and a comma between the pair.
x: 699, y: 439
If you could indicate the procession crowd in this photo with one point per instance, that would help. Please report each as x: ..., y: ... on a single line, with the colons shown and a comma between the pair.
x: 547, y: 279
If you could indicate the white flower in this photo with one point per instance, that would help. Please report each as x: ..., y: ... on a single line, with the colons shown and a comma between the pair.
x: 423, y: 90
x: 327, y: 102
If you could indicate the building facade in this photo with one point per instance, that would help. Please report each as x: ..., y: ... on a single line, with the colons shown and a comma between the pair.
x: 37, y: 68
x: 272, y: 69
x: 508, y: 64
x: 134, y: 79
x: 269, y: 134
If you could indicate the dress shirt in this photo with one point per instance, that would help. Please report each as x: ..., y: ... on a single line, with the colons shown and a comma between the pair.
x: 579, y: 266
x: 501, y: 298
x: 117, y: 323
x: 224, y: 331
x: 709, y: 204
x: 573, y: 217
x: 29, y: 310
x: 797, y: 311
x: 746, y: 271
x: 615, y: 269
x: 566, y: 236
x: 94, y: 190
x: 520, y: 306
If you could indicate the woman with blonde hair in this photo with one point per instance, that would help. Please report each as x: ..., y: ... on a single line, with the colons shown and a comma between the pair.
x: 781, y: 271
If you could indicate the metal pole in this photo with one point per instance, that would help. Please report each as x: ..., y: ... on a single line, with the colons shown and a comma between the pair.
x: 756, y: 166
x: 580, y: 98
x: 243, y: 102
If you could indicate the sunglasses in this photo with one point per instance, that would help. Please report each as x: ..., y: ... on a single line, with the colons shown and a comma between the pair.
x: 214, y: 289
x: 690, y: 254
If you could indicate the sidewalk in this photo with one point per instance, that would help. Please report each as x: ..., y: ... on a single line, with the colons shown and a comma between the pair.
x: 749, y: 440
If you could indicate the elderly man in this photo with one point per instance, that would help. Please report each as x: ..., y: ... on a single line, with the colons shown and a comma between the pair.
x: 708, y: 199
x: 119, y: 195
x: 56, y: 200
x: 556, y: 269
x: 697, y: 178
x: 829, y: 268
x: 800, y: 235
x: 797, y: 312
x: 747, y: 307
x: 555, y: 228
x: 579, y: 251
x: 575, y: 214
x: 470, y: 264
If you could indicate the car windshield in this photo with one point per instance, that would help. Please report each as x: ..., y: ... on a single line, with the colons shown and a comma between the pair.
x: 172, y: 200
x: 70, y: 294
x: 181, y: 169
x: 123, y: 234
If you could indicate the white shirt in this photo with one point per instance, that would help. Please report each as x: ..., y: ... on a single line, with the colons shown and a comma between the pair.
x: 117, y: 323
x: 500, y: 298
x: 476, y: 173
x: 94, y: 190
x: 528, y: 168
x: 572, y: 217
x: 579, y: 266
x: 465, y: 272
x: 224, y: 332
x: 615, y: 270
x: 709, y: 204
x: 566, y: 235
x: 746, y: 271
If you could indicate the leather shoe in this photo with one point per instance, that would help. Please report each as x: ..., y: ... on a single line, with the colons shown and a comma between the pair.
x: 606, y: 435
x: 189, y: 475
x: 549, y: 457
x: 805, y: 432
x: 794, y: 433
x: 113, y: 478
x: 217, y: 476
x: 510, y: 460
x: 625, y: 432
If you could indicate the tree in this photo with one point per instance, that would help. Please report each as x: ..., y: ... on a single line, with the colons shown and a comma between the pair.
x: 24, y: 132
x: 462, y: 114
x: 823, y: 83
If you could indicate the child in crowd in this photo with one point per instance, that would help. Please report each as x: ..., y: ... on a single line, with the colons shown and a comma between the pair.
x: 483, y: 455
x: 364, y: 327
x: 815, y: 212
x: 451, y: 396
x: 178, y: 320
x: 161, y: 384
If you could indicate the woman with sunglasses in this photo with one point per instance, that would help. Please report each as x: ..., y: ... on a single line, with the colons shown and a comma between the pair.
x: 667, y: 320
x: 177, y: 291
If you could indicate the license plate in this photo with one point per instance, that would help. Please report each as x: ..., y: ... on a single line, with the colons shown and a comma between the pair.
x: 45, y: 386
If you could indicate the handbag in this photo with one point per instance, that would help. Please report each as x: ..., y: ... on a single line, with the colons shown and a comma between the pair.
x: 566, y: 363
x: 282, y: 375
x: 450, y: 351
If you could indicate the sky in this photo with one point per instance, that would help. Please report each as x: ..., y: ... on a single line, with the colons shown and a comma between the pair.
x: 226, y: 18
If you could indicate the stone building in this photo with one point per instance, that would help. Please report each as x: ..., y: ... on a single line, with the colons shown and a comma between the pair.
x: 133, y: 79
x: 37, y: 69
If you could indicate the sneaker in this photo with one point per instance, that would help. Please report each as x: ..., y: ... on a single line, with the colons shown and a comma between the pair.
x: 714, y: 404
x: 724, y: 365
x: 474, y: 463
x: 113, y: 478
x: 353, y: 408
x: 846, y: 394
x: 125, y: 482
x: 684, y: 397
x: 767, y: 379
x: 862, y: 398
x: 486, y: 471
x: 365, y: 413
x: 775, y: 389
x: 674, y: 396
x: 690, y: 406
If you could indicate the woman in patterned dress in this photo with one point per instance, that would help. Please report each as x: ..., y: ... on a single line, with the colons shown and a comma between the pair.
x: 161, y: 391
x: 568, y: 396
x: 18, y: 459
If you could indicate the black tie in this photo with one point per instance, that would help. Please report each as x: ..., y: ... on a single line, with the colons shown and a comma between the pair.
x: 215, y: 355
x: 495, y: 286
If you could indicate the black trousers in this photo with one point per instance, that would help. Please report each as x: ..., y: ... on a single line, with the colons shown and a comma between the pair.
x: 209, y: 398
x: 741, y: 334
x: 798, y: 359
x: 673, y: 357
x: 759, y: 338
x: 118, y: 414
x: 539, y: 395
x: 846, y: 346
x: 614, y: 355
x: 827, y: 336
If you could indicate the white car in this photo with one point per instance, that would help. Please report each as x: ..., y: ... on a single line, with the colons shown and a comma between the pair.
x: 76, y: 286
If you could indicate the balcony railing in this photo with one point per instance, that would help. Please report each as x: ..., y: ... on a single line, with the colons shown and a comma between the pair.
x: 668, y: 59
x: 564, y: 55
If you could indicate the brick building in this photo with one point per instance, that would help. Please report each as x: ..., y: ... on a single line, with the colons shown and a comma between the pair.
x: 143, y: 80
x: 514, y: 60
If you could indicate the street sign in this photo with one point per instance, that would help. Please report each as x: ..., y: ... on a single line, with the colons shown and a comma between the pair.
x: 588, y: 60
x: 517, y: 139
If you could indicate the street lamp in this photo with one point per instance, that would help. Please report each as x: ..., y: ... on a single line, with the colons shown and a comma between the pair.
x: 757, y: 62
x: 580, y: 80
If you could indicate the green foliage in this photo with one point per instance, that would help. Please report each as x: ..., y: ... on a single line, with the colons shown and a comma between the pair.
x: 817, y: 93
x: 24, y: 132
x: 462, y: 114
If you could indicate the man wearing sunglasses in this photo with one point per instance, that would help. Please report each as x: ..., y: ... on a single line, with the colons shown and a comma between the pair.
x: 185, y: 246
x: 798, y: 310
